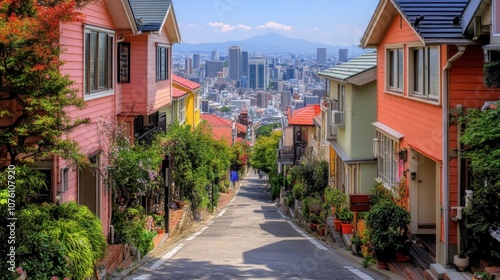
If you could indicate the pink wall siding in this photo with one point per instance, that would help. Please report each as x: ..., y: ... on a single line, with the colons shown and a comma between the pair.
x: 97, y: 110
x: 135, y: 93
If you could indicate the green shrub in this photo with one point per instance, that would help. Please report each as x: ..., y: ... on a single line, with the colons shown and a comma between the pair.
x: 59, y: 240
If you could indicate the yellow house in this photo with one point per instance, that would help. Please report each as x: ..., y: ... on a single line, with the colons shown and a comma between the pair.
x: 186, y: 101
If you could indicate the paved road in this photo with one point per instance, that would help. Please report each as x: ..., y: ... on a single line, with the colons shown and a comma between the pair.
x: 251, y: 239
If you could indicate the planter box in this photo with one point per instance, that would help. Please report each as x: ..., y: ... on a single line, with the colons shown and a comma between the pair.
x: 338, y: 225
x: 346, y: 228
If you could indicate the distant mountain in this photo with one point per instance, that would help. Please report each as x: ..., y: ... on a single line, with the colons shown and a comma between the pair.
x: 270, y: 43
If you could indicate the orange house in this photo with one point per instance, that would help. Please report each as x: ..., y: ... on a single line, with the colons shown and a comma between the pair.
x: 119, y: 58
x: 428, y: 69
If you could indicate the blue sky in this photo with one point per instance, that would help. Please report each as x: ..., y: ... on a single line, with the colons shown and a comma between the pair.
x: 333, y: 22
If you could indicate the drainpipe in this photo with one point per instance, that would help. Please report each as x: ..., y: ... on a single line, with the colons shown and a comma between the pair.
x: 445, y: 150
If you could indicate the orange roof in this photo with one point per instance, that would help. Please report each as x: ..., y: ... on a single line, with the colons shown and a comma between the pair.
x: 185, y: 82
x: 304, y: 116
x: 225, y: 133
x: 216, y: 121
x: 176, y: 93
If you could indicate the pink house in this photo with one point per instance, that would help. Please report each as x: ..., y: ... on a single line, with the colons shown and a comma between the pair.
x: 120, y: 59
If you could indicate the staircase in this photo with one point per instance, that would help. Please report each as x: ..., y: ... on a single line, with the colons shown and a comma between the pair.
x: 438, y: 271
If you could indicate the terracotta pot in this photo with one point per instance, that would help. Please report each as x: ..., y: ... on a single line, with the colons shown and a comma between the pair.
x: 321, y: 232
x: 180, y: 204
x: 461, y: 263
x: 382, y: 265
x: 314, y: 227
x: 338, y: 225
x: 160, y: 230
x: 346, y: 228
x: 401, y: 257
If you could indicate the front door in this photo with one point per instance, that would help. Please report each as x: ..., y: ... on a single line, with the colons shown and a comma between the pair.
x: 89, y: 186
x: 423, y: 194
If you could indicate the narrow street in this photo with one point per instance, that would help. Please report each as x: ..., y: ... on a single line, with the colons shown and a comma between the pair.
x: 251, y: 239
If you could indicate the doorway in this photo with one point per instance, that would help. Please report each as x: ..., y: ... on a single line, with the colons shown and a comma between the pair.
x: 89, y: 186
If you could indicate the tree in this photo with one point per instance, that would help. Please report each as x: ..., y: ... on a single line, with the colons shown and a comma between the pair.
x: 266, y: 130
x: 265, y: 152
x: 481, y: 143
x: 34, y: 95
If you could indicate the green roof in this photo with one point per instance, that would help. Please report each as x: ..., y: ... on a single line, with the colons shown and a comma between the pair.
x: 351, y: 68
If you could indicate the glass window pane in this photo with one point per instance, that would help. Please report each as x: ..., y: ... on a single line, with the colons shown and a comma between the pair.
x: 103, y: 42
x: 400, y: 69
x: 433, y: 73
x: 92, y: 60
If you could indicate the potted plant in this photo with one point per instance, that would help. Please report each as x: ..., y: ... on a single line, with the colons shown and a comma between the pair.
x: 461, y: 261
x: 346, y: 217
x: 335, y: 198
x: 365, y: 240
x: 387, y: 225
x: 356, y: 244
x: 313, y: 221
x: 159, y: 221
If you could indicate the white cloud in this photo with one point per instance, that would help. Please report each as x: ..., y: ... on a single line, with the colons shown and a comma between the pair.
x: 224, y: 27
x: 275, y: 25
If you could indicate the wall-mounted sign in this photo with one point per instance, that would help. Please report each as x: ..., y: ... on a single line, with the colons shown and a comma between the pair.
x: 124, y: 62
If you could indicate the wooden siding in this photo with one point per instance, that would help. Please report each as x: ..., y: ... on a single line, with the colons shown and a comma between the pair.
x: 134, y: 96
x: 97, y: 110
x: 419, y: 121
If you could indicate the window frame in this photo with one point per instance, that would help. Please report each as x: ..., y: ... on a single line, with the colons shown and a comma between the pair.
x: 387, y: 160
x: 424, y: 74
x: 109, y: 63
x: 395, y: 69
x: 162, y: 74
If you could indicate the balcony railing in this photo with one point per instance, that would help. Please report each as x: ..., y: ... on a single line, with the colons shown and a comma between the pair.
x: 147, y: 137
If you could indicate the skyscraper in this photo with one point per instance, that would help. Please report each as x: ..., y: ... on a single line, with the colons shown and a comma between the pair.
x: 215, y: 55
x: 258, y: 77
x: 343, y: 55
x: 189, y: 66
x: 213, y: 67
x: 321, y: 56
x: 196, y: 61
x: 234, y: 53
x: 244, y: 66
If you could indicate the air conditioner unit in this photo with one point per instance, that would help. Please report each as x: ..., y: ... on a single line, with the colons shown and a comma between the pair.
x: 338, y: 118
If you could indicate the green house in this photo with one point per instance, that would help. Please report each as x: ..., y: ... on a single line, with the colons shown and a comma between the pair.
x: 348, y: 112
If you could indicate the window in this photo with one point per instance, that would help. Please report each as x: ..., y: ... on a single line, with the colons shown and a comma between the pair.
x: 64, y: 179
x: 181, y: 110
x: 196, y: 100
x: 161, y: 63
x: 98, y: 62
x: 395, y: 69
x: 387, y: 160
x: 424, y: 76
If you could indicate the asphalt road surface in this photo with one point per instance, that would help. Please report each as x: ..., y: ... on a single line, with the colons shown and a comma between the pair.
x: 251, y: 239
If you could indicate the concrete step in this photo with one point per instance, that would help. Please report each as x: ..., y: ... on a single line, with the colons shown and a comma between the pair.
x: 438, y: 270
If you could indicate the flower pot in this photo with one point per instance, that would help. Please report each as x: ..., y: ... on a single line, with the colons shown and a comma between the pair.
x: 460, y: 263
x: 346, y: 228
x: 382, y: 265
x: 314, y: 226
x: 180, y: 204
x: 401, y: 256
x: 321, y: 232
x: 338, y: 225
x: 160, y: 230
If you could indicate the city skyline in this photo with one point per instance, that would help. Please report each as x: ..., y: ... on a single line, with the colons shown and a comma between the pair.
x: 326, y: 22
